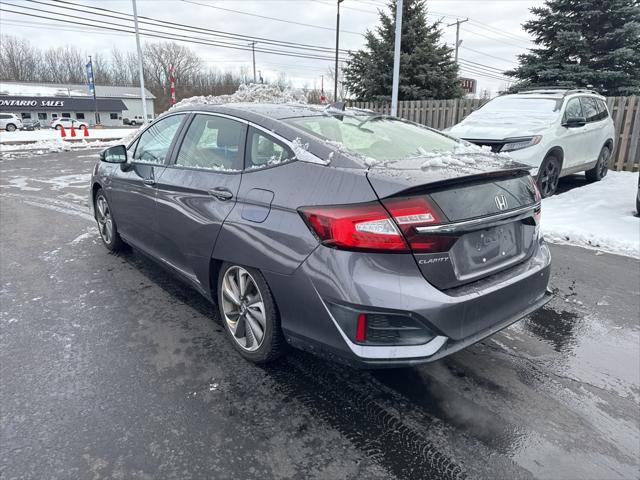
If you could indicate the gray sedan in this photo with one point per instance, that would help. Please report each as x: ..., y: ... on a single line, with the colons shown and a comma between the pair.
x: 357, y: 236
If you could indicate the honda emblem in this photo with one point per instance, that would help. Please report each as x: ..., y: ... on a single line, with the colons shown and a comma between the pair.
x: 501, y: 202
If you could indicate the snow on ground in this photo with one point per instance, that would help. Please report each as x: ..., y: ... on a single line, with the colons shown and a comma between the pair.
x: 254, y: 93
x: 599, y: 215
x: 54, y: 145
x: 51, y: 134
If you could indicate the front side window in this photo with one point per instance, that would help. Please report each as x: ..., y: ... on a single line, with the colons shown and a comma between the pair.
x: 573, y: 110
x: 590, y: 108
x: 266, y: 151
x: 213, y: 143
x: 154, y: 143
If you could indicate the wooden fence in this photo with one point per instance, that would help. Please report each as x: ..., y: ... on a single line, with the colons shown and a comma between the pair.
x: 442, y: 114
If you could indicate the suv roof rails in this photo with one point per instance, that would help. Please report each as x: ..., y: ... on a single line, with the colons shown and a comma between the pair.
x: 554, y: 90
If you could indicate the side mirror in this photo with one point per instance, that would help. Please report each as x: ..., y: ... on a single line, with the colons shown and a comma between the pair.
x: 116, y: 154
x: 573, y: 122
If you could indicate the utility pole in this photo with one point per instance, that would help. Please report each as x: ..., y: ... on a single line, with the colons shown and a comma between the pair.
x: 396, y: 60
x: 458, y: 41
x: 141, y: 73
x: 253, y: 51
x: 335, y: 73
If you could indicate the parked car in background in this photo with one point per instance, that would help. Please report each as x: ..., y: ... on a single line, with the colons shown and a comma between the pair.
x: 137, y: 120
x: 10, y: 122
x: 65, y: 122
x: 361, y: 236
x: 557, y: 131
x: 30, y: 124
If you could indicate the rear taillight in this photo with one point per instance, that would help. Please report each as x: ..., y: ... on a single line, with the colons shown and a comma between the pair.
x: 370, y: 226
x: 411, y: 213
x: 364, y: 226
x: 538, y: 198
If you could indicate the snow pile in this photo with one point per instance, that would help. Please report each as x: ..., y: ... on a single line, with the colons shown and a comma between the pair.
x: 598, y: 216
x: 253, y: 93
x: 51, y: 134
x: 39, y: 146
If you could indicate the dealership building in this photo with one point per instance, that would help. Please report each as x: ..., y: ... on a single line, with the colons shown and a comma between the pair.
x: 48, y: 101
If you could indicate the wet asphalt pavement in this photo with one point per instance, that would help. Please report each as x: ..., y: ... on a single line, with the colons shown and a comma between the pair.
x: 111, y: 368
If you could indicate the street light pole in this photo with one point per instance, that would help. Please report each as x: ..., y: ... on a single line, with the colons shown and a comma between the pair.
x: 335, y: 73
x: 396, y: 60
x: 140, y: 72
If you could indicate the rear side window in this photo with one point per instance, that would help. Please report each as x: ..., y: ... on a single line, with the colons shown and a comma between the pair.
x: 602, y: 109
x: 573, y: 110
x: 265, y: 150
x: 214, y: 143
x: 4, y: 117
x: 590, y: 109
x: 154, y: 143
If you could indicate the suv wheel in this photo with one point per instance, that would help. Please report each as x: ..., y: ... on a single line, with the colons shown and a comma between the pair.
x: 249, y: 314
x: 548, y: 176
x: 601, y: 168
x: 10, y: 127
x: 58, y: 127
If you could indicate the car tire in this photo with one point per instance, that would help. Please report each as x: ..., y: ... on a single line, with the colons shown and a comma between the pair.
x: 58, y: 127
x: 106, y: 224
x: 248, y: 313
x: 548, y: 176
x: 10, y: 127
x: 601, y: 168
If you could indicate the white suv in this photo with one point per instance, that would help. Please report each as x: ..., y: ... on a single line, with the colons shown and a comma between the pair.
x: 67, y: 123
x: 556, y: 131
x: 10, y: 122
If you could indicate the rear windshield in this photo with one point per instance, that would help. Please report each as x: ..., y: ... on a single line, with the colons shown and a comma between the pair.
x: 377, y: 137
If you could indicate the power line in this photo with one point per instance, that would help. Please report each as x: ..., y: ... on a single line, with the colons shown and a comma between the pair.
x: 487, y: 54
x: 180, y: 26
x: 163, y: 35
x: 270, y: 18
x: 482, y: 65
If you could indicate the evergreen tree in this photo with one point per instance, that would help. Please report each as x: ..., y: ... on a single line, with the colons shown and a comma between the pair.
x: 427, y: 68
x: 584, y: 43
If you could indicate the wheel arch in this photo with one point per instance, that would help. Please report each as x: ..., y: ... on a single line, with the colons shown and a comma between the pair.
x: 557, y: 152
x: 609, y: 144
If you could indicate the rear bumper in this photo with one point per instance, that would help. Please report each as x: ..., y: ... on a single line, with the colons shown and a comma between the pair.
x: 459, y: 317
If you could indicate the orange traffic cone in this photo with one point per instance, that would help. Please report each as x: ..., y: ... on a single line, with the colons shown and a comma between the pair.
x: 85, y: 131
x: 62, y: 132
x: 73, y: 131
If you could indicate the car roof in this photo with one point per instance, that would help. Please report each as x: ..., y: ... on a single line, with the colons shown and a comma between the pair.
x: 269, y: 111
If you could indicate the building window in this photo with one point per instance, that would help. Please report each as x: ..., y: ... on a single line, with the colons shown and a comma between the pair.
x: 42, y: 116
x: 66, y: 115
x: 25, y: 115
x: 80, y: 115
x: 113, y: 116
x: 54, y: 115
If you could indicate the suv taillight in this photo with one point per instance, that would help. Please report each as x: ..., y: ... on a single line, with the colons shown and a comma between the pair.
x: 372, y: 226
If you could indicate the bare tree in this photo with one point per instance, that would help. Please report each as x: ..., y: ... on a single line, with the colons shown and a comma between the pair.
x: 19, y: 60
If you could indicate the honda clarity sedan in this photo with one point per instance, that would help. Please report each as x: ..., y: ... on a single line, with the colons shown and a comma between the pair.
x: 357, y: 236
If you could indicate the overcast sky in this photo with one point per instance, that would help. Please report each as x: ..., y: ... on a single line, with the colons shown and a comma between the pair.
x: 491, y: 39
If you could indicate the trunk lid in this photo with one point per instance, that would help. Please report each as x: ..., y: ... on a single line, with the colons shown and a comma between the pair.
x: 487, y: 206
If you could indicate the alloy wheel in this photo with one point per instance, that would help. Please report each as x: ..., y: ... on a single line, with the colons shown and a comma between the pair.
x: 243, y: 308
x: 603, y: 162
x: 105, y: 222
x: 549, y: 179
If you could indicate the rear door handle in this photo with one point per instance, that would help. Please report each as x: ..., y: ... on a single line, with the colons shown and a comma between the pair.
x: 149, y: 181
x: 221, y: 193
